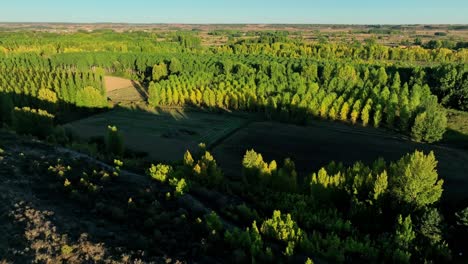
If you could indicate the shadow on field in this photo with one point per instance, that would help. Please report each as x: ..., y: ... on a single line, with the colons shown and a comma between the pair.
x: 456, y: 139
x: 316, y: 145
x: 64, y: 111
x: 141, y: 90
x: 166, y: 136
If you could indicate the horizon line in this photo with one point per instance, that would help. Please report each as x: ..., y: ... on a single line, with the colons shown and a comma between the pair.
x: 224, y: 23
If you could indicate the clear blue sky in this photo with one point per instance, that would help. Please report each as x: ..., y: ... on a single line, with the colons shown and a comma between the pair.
x: 238, y: 11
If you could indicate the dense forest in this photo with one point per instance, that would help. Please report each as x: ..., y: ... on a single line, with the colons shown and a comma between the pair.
x: 286, y: 79
x: 388, y: 211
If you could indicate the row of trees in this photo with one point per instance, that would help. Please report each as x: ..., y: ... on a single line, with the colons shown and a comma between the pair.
x: 100, y: 40
x: 340, y: 93
x: 35, y: 122
x: 81, y: 88
x: 448, y: 81
x: 355, y: 51
x: 36, y: 89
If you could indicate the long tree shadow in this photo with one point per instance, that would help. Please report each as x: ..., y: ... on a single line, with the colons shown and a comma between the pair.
x: 141, y: 90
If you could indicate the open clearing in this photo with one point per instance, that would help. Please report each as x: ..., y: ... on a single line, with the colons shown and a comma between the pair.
x: 164, y: 136
x: 316, y: 145
x: 124, y: 90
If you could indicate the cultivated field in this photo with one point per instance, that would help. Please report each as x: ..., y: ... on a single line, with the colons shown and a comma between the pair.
x: 314, y: 146
x: 165, y: 136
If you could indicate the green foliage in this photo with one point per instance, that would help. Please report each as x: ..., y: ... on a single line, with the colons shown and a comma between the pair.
x: 289, y: 80
x: 159, y: 71
x: 180, y: 185
x: 283, y: 228
x: 249, y: 240
x: 175, y: 66
x: 430, y: 226
x: 187, y: 39
x: 47, y: 95
x: 36, y: 122
x: 255, y: 170
x: 414, y: 179
x: 382, y: 77
x: 404, y: 234
x: 188, y: 159
x: 213, y: 222
x: 430, y: 124
x: 160, y: 172
x: 462, y: 218
x: 118, y: 164
x: 114, y: 141
x: 285, y: 179
x: 380, y: 185
x: 207, y: 172
x: 90, y: 97
x: 322, y: 180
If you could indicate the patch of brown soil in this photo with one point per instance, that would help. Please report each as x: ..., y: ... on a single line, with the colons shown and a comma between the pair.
x: 116, y: 83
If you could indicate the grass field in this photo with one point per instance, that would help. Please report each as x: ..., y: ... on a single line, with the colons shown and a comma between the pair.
x: 165, y: 136
x: 314, y: 146
x: 457, y: 129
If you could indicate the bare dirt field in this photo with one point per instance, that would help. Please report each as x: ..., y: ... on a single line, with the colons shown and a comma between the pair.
x: 124, y: 90
x: 314, y: 146
x: 116, y: 83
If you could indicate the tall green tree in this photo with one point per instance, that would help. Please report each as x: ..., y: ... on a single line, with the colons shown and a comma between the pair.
x: 175, y: 66
x: 430, y: 123
x: 159, y: 71
x: 414, y: 180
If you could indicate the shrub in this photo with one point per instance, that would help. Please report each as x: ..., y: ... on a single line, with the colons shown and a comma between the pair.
x: 462, y: 217
x: 47, y: 95
x: 160, y: 172
x: 213, y: 222
x: 283, y: 228
x: 255, y: 170
x: 181, y: 186
x: 207, y: 171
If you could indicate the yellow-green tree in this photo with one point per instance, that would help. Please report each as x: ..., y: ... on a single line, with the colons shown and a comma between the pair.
x: 414, y: 179
x: 90, y: 97
x: 159, y: 71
